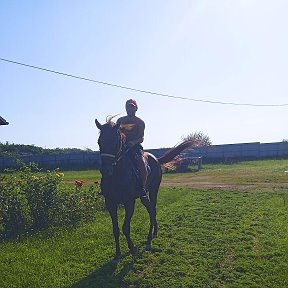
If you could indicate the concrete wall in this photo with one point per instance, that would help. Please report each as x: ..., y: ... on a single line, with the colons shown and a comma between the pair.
x: 213, y: 153
x: 71, y: 161
x: 241, y: 151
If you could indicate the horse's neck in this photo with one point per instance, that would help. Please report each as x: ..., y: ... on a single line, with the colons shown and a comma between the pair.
x: 124, y: 167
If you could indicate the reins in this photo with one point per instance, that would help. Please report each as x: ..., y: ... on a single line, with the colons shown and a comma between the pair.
x: 121, y: 152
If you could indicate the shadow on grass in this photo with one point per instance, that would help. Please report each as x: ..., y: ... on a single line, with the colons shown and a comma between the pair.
x: 105, y: 277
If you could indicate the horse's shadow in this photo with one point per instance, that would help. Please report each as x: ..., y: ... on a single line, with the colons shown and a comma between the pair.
x: 105, y: 277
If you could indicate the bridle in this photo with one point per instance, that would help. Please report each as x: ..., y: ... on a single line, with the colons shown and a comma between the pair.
x: 107, y: 155
x: 119, y: 154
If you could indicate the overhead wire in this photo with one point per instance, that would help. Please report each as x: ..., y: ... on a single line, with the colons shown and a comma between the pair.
x: 140, y: 90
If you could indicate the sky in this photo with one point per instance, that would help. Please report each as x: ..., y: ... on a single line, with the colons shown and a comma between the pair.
x: 200, y: 54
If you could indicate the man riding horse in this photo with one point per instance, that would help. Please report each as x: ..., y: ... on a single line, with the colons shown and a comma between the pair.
x: 118, y: 181
x: 133, y: 143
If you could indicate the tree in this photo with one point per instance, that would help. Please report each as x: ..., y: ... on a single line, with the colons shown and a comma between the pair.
x: 199, y: 138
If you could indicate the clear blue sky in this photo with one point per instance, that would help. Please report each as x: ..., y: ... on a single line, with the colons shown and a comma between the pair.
x: 223, y: 51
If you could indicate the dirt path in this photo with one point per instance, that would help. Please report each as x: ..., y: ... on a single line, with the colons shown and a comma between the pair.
x: 201, y: 182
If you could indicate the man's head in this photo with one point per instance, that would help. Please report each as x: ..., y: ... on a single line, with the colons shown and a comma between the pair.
x: 131, y: 107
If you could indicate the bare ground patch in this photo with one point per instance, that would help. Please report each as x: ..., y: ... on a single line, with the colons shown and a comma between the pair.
x: 198, y: 182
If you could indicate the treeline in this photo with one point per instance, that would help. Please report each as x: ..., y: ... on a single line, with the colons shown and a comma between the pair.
x: 8, y: 149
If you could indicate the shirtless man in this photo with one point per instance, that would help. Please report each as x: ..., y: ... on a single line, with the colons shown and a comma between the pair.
x: 134, y: 140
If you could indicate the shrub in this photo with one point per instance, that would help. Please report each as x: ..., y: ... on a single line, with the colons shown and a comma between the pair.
x: 32, y: 200
x: 13, y: 207
x: 80, y: 205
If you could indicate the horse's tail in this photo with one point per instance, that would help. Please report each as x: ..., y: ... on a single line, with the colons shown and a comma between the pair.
x: 175, y: 151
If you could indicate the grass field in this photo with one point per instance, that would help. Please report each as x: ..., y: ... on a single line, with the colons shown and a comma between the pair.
x: 224, y: 226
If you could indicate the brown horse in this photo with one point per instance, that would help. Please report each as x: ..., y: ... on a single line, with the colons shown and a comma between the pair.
x: 119, y: 181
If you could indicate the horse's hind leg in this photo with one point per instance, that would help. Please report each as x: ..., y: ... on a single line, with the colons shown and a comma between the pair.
x: 152, y: 215
x: 153, y: 194
x: 153, y: 202
x: 129, y: 211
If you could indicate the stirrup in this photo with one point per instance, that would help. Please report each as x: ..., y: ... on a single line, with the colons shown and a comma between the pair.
x: 144, y: 197
x: 143, y: 193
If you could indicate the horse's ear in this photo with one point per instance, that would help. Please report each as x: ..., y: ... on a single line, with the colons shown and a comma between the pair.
x: 99, y: 126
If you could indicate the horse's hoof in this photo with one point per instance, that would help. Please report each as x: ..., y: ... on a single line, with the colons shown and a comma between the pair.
x: 134, y: 251
x: 148, y: 247
x: 116, y: 260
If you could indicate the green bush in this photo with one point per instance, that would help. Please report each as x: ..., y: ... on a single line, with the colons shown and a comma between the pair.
x: 32, y: 200
x: 14, y: 218
x: 40, y: 190
x: 72, y: 207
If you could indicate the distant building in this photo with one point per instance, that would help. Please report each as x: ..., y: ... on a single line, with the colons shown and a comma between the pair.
x: 3, y: 121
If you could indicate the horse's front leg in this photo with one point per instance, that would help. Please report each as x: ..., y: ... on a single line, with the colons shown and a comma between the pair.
x: 112, y: 208
x: 129, y: 211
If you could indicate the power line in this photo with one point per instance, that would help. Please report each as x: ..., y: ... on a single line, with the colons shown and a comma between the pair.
x: 143, y: 91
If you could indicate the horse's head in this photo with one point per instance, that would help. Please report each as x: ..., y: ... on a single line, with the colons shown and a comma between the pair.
x: 110, y: 142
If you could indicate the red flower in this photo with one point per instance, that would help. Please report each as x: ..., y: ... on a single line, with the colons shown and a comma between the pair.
x: 79, y: 183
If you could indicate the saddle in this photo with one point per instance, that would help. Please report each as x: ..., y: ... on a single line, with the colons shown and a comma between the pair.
x: 148, y: 168
x: 136, y: 169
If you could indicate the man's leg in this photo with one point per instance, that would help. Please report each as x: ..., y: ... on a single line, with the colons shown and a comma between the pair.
x: 143, y: 175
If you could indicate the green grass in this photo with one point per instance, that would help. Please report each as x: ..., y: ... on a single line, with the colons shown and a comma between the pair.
x: 244, y: 173
x: 90, y: 176
x: 207, y: 238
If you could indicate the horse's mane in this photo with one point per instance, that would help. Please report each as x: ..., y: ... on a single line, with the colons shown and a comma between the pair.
x: 109, y: 121
x: 125, y: 129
